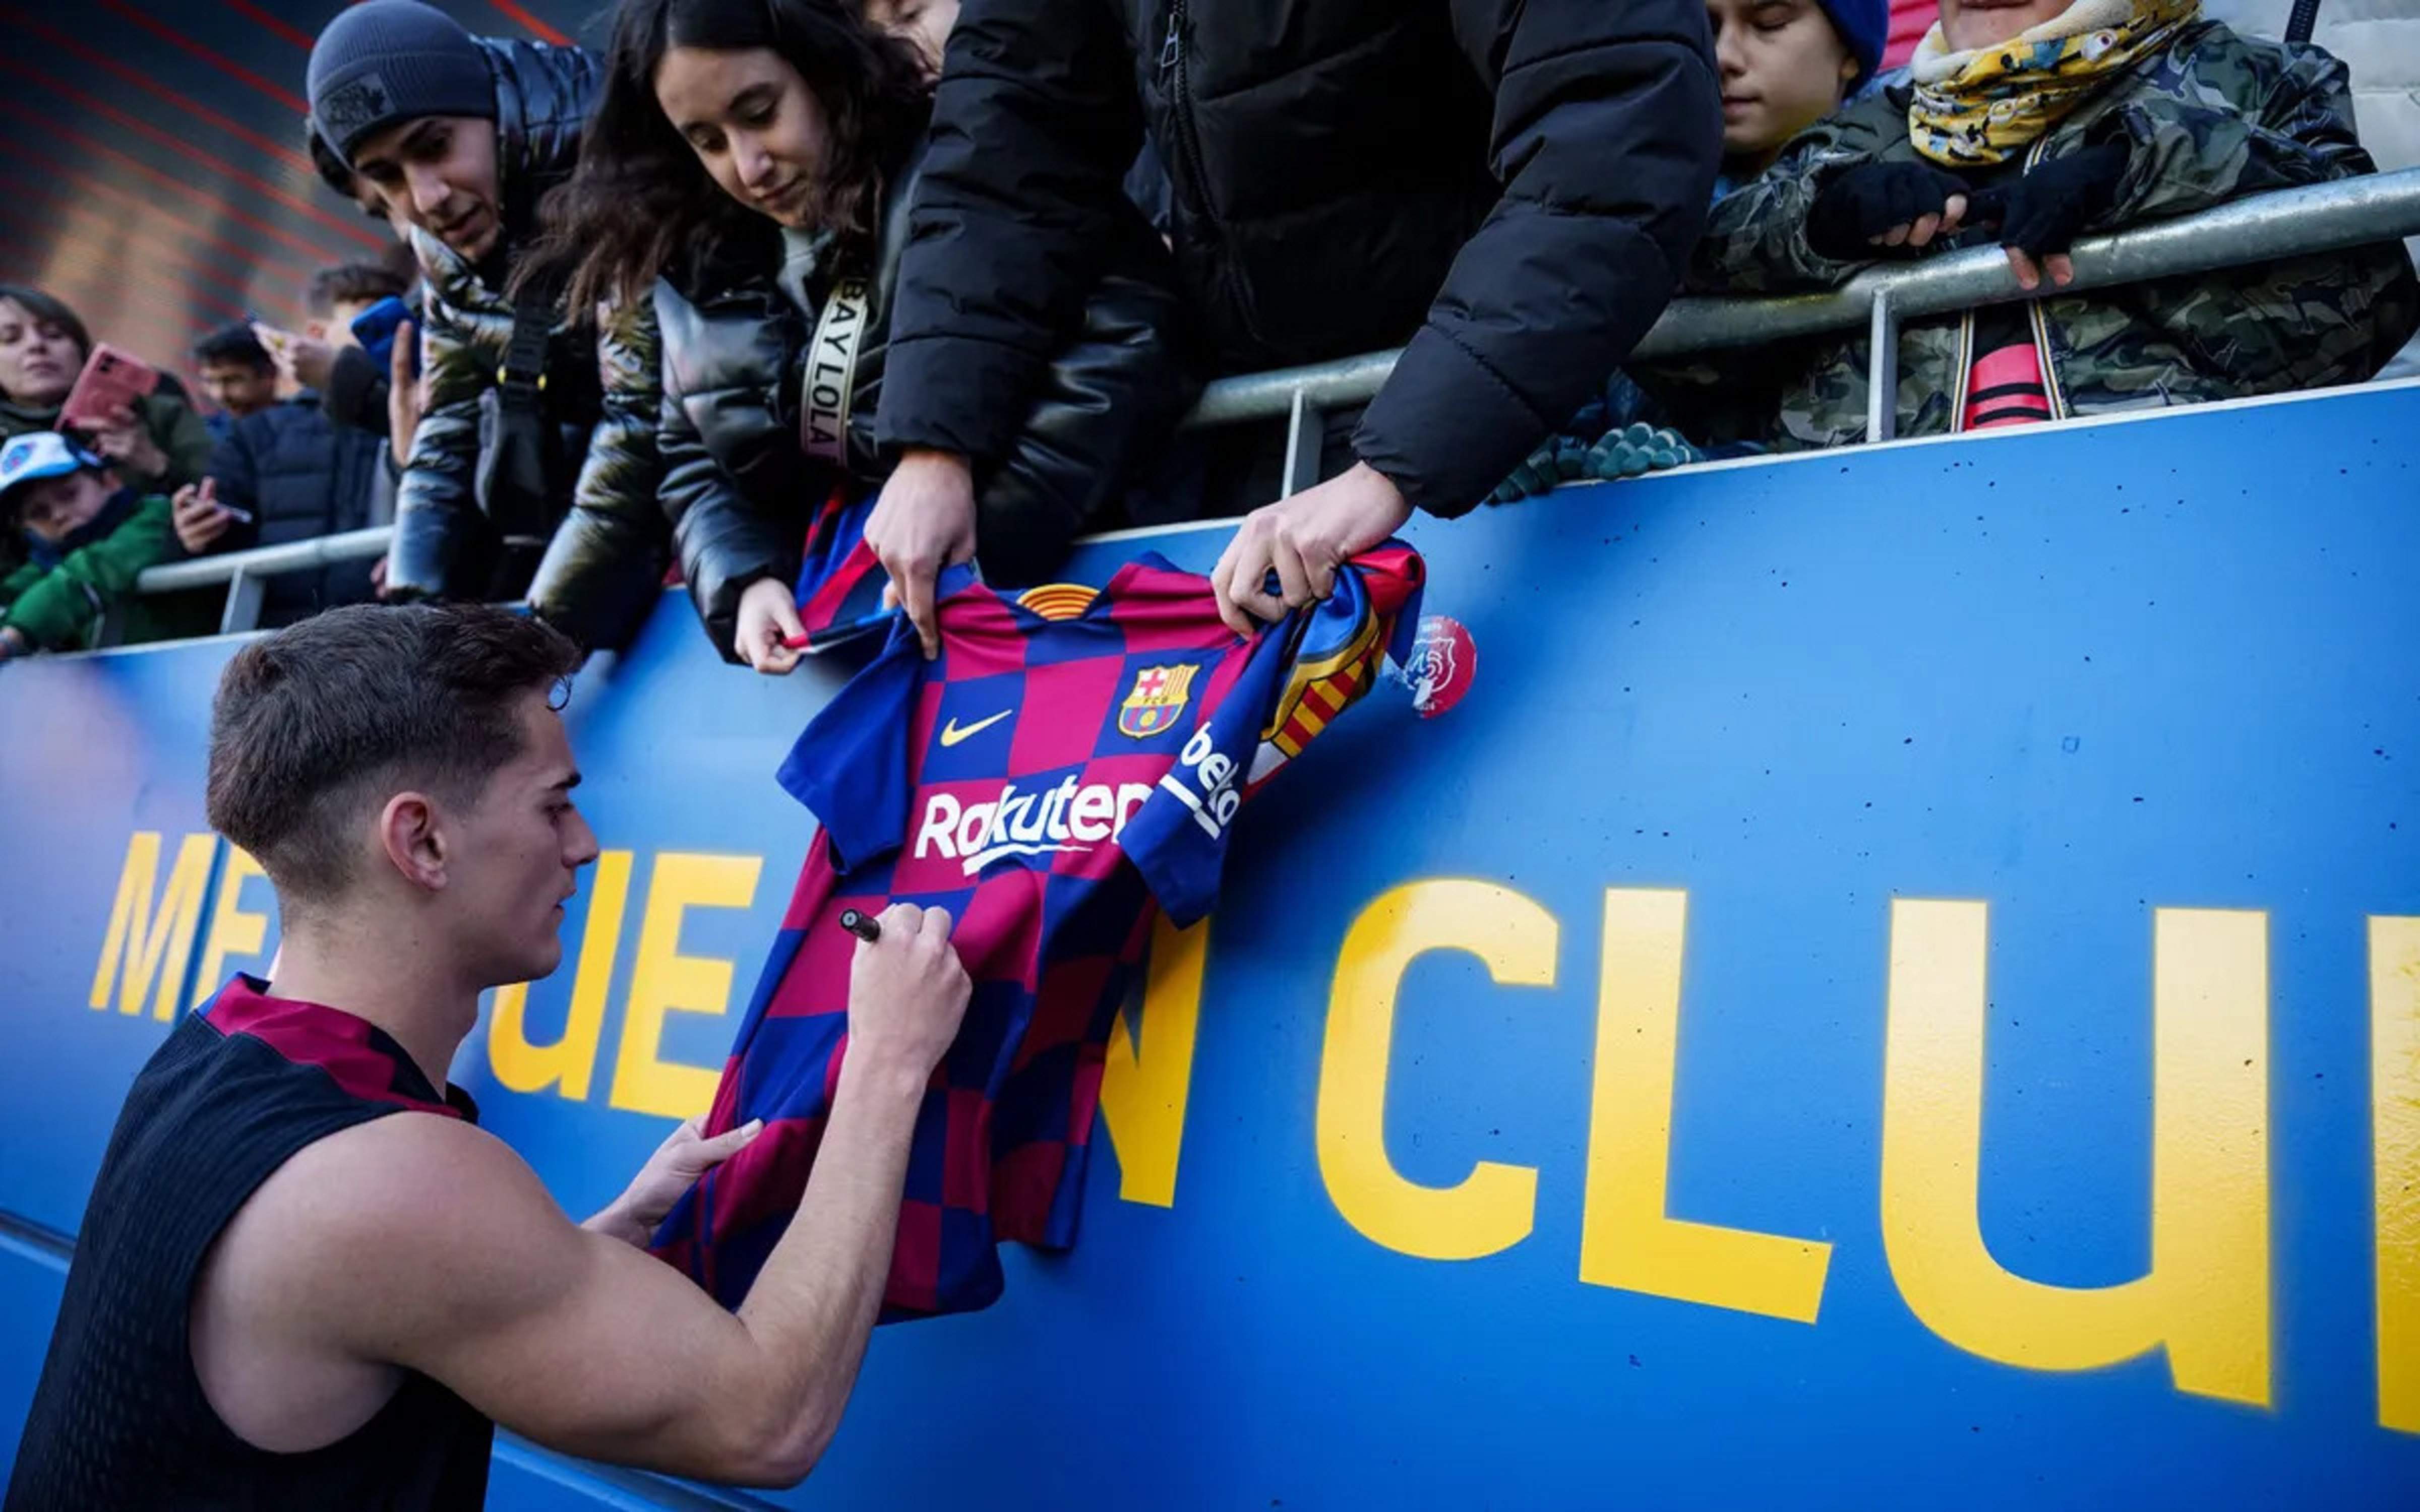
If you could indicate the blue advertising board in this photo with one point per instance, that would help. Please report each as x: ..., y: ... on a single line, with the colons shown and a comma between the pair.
x: 1898, y: 983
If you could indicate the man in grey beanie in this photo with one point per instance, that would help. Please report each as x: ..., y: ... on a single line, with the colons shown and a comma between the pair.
x: 533, y: 470
x: 406, y: 97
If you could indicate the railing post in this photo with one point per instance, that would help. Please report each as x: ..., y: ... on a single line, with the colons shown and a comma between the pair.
x: 1305, y: 432
x: 1882, y: 369
x: 242, y: 612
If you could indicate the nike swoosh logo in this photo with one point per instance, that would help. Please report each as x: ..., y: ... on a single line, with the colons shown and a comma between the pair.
x: 951, y: 733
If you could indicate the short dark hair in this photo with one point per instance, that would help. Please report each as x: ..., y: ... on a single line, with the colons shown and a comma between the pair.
x: 343, y: 709
x: 233, y: 344
x: 50, y: 307
x: 349, y: 284
x: 333, y: 170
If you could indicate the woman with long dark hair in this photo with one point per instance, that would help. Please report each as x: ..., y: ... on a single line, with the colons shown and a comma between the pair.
x: 753, y: 161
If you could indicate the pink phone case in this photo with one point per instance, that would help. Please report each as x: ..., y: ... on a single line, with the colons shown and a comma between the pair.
x: 111, y: 380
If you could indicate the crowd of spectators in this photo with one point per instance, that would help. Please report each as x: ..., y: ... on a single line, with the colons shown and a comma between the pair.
x: 658, y: 311
x: 310, y: 464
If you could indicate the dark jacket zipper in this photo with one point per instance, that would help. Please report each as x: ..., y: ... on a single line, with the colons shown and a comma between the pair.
x: 1174, y: 74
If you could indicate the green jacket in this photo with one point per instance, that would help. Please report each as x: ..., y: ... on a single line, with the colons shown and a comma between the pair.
x: 2212, y: 118
x: 169, y: 417
x: 66, y: 607
x: 173, y: 425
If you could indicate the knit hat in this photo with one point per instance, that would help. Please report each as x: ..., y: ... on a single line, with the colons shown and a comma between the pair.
x: 1864, y: 25
x: 393, y: 60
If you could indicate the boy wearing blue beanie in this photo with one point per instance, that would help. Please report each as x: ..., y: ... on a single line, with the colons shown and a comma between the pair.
x: 1787, y: 64
x: 408, y: 100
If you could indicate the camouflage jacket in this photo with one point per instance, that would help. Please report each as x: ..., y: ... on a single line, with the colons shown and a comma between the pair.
x: 2210, y: 118
x: 604, y: 538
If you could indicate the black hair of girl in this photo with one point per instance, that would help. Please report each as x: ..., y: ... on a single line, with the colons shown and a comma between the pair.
x: 639, y: 198
x: 52, y: 310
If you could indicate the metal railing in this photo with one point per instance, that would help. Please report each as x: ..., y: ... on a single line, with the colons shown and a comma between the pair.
x: 246, y: 572
x: 2323, y: 218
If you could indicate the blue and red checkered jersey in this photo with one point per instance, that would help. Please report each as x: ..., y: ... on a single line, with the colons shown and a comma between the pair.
x: 839, y: 589
x: 1070, y: 763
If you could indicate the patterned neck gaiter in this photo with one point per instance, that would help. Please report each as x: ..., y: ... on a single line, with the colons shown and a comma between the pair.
x: 1983, y: 107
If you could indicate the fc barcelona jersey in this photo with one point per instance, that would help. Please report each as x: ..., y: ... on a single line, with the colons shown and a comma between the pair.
x: 1072, y: 762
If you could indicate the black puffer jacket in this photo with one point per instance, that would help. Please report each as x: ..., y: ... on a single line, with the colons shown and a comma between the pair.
x: 604, y: 539
x: 740, y: 490
x: 1512, y: 187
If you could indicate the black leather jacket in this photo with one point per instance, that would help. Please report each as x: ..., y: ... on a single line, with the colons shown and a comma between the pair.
x: 604, y: 540
x: 739, y: 487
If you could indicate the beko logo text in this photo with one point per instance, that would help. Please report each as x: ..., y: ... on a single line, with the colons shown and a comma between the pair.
x: 1214, y: 807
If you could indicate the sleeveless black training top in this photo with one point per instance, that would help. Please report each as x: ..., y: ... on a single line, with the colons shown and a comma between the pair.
x: 119, y: 1420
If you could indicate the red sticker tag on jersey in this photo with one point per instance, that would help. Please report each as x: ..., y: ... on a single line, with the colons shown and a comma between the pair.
x: 1444, y: 660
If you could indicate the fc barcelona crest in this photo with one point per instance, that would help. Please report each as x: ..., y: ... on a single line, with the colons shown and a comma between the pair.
x: 1155, y: 699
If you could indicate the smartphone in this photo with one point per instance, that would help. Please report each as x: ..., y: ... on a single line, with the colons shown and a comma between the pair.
x: 210, y: 497
x: 112, y: 381
x: 375, y: 329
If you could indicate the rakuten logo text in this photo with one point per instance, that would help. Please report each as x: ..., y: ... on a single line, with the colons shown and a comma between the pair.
x: 1070, y: 817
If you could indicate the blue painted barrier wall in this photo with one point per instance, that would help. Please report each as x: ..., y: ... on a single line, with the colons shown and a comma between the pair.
x: 1720, y: 1063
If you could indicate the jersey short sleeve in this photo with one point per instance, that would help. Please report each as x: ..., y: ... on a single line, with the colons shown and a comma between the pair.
x: 1302, y: 674
x: 850, y: 766
x: 840, y: 582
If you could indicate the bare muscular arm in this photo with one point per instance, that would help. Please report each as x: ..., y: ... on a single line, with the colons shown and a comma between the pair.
x: 438, y: 1249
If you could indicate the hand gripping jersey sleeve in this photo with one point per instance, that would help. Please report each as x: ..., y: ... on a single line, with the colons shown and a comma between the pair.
x: 1072, y: 763
x: 1298, y: 676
